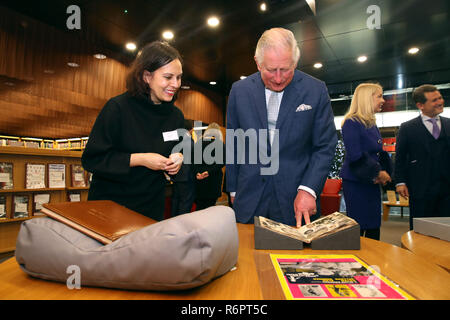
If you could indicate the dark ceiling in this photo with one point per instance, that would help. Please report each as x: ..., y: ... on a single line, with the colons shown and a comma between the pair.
x: 335, y: 35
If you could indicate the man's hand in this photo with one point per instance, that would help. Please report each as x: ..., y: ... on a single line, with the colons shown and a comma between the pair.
x: 403, y: 191
x: 304, y: 207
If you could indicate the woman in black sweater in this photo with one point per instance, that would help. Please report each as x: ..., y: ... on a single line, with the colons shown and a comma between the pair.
x: 131, y: 142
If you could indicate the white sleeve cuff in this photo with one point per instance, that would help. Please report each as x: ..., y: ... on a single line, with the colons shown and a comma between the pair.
x: 309, y: 190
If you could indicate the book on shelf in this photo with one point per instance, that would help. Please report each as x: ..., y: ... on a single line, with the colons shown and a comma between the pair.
x: 56, y: 175
x: 317, y: 229
x: 2, y: 207
x: 6, y: 175
x: 20, y: 206
x: 103, y: 220
x: 38, y: 200
x: 35, y: 176
x: 78, y: 175
x: 74, y: 196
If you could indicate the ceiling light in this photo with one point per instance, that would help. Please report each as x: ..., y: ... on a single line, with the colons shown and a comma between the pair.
x: 362, y: 59
x: 130, y: 46
x: 168, y: 35
x: 185, y: 87
x: 263, y: 7
x: 243, y: 77
x: 413, y: 50
x: 318, y: 65
x: 73, y: 64
x: 213, y: 21
x: 213, y: 83
x: 99, y: 56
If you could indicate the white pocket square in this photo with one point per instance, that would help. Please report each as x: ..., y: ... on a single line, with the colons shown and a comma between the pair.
x: 303, y: 107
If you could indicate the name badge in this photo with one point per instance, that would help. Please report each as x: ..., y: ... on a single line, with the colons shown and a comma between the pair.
x: 170, y: 136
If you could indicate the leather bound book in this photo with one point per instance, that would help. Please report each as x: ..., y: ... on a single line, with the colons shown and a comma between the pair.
x: 103, y: 220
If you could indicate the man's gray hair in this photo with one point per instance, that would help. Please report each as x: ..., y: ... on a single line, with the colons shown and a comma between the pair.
x: 277, y: 38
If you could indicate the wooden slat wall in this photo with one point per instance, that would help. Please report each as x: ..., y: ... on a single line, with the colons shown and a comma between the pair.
x: 200, y: 104
x: 49, y: 99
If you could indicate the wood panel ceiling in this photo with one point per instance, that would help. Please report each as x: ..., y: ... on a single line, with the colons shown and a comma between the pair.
x: 334, y: 35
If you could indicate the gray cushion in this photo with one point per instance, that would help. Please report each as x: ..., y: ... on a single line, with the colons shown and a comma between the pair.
x: 179, y: 253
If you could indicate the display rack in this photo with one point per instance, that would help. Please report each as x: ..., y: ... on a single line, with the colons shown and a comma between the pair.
x: 19, y: 157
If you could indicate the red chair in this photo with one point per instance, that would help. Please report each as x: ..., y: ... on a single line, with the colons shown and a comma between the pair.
x: 330, y: 198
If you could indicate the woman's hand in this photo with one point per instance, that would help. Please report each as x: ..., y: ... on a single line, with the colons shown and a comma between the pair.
x: 153, y: 161
x: 175, y: 165
x: 383, y: 178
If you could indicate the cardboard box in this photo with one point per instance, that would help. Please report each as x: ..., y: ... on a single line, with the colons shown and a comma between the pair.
x: 438, y: 227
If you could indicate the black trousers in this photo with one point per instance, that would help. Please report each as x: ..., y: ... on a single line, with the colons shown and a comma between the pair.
x: 433, y: 205
x: 371, y: 233
x: 205, y: 203
x: 182, y: 197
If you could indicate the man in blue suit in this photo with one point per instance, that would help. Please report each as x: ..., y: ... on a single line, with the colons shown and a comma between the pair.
x: 422, y: 157
x: 294, y: 109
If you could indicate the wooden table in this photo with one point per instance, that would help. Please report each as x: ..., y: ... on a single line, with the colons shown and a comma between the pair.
x: 430, y: 248
x: 387, y: 207
x: 415, y: 274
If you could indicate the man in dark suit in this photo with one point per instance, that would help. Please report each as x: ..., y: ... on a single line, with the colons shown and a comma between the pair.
x: 288, y: 115
x: 183, y: 188
x: 422, y: 159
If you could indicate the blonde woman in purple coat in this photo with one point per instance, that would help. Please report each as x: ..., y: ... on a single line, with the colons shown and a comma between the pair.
x: 366, y: 165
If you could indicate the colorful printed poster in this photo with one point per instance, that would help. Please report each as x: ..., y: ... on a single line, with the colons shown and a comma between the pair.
x: 333, y: 277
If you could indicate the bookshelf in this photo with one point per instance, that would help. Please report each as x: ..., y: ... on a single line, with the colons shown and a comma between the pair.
x: 39, y: 143
x: 13, y: 195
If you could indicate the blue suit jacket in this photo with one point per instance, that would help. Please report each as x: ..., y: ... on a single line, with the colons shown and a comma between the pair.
x: 307, y: 141
x: 364, y: 155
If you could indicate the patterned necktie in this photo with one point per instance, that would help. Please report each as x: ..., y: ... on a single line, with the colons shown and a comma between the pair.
x: 436, y: 130
x: 273, y: 107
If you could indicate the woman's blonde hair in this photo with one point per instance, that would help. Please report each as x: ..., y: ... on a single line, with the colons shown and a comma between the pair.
x: 362, y: 108
x: 213, y: 131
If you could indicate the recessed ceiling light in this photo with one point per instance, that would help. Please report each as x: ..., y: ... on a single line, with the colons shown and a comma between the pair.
x: 213, y: 21
x: 213, y: 83
x: 73, y: 64
x: 99, y: 56
x: 130, y: 46
x: 185, y: 87
x: 362, y: 59
x: 413, y: 50
x: 168, y: 35
x: 263, y: 7
x: 318, y: 65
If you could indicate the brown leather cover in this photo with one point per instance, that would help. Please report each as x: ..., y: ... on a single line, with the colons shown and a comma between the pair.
x: 103, y: 220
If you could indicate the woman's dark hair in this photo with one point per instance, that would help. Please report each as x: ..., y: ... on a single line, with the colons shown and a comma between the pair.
x: 152, y: 57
